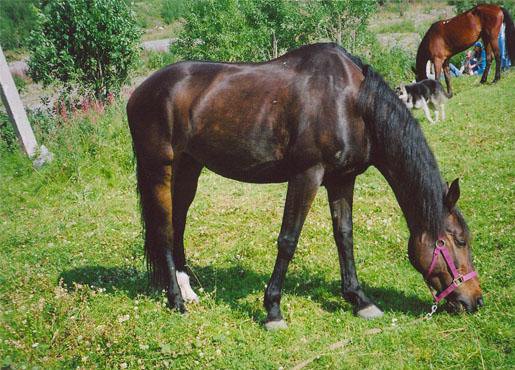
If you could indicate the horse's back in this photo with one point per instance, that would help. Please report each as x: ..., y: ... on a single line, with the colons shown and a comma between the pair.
x: 253, y: 122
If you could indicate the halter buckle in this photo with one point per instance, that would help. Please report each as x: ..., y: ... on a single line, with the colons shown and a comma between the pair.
x: 458, y: 281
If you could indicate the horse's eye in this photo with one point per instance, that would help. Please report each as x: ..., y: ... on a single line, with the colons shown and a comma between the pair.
x: 460, y: 242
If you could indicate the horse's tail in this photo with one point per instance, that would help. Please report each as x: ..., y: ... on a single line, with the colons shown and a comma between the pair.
x: 153, y: 174
x: 510, y: 35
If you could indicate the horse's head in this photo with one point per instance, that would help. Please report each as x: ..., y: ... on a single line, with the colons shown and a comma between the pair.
x: 446, y: 263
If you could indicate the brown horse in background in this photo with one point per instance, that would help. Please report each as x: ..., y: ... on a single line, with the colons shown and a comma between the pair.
x: 449, y: 37
x: 316, y: 116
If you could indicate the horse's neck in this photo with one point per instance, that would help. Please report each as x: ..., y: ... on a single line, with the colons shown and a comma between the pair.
x: 417, y: 185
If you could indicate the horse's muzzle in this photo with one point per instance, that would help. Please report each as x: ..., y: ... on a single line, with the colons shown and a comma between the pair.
x: 461, y: 304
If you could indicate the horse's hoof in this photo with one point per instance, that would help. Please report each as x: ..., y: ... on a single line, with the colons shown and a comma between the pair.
x: 177, y: 306
x: 370, y: 312
x: 482, y: 82
x: 276, y: 325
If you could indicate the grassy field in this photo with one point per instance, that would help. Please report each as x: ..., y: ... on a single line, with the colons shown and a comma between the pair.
x: 73, y: 286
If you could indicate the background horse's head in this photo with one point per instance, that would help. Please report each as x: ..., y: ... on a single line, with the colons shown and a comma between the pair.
x: 437, y: 271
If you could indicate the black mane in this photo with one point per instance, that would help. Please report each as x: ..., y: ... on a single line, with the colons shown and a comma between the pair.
x: 401, y: 153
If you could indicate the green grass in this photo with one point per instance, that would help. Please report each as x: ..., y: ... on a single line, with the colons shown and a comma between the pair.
x: 402, y: 26
x: 73, y: 287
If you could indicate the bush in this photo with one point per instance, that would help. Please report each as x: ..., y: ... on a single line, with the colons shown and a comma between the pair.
x: 173, y: 9
x: 89, y: 44
x: 394, y: 64
x: 17, y: 19
x: 8, y: 138
x: 245, y: 30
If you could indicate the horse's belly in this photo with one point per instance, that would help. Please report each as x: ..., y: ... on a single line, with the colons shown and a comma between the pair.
x: 242, y: 160
x: 263, y: 173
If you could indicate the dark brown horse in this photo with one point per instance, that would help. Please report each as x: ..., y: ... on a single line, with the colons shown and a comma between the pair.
x: 315, y: 116
x: 449, y: 37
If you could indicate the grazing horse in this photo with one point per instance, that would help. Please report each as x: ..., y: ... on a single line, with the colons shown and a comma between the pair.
x: 449, y: 37
x: 316, y: 116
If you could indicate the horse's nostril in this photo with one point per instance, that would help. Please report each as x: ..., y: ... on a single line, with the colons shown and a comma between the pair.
x: 480, y: 302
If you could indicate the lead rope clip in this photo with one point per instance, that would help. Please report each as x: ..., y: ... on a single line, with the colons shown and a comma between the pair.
x: 433, y: 310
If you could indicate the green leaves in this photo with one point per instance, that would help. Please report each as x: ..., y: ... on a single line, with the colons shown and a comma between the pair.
x: 244, y: 30
x: 92, y: 44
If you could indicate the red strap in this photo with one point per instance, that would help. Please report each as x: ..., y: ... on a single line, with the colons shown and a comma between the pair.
x: 457, y: 279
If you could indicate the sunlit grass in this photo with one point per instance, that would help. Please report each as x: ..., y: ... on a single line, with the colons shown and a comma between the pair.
x: 73, y: 288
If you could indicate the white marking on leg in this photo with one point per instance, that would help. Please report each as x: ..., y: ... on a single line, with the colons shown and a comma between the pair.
x: 370, y: 312
x: 426, y: 110
x: 184, y: 284
x: 276, y: 325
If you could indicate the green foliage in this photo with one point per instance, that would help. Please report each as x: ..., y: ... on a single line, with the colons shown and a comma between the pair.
x: 464, y: 5
x: 244, y: 30
x: 393, y: 64
x: 17, y: 19
x: 344, y: 22
x: 172, y: 10
x: 8, y: 138
x: 20, y: 82
x: 157, y: 60
x: 405, y: 25
x: 89, y: 43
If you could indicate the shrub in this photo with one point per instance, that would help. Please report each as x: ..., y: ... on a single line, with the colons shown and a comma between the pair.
x: 90, y: 44
x: 245, y: 30
x: 394, y: 64
x: 173, y: 9
x: 17, y: 19
x: 8, y: 138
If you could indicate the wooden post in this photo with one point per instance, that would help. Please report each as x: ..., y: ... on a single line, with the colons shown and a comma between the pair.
x: 18, y: 116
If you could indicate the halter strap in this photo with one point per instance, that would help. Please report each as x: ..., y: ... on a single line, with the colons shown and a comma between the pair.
x: 457, y: 278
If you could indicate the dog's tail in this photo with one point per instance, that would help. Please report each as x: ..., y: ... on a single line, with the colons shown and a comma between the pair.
x: 510, y: 35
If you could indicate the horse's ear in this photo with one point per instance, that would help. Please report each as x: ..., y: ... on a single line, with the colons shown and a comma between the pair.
x: 452, y: 195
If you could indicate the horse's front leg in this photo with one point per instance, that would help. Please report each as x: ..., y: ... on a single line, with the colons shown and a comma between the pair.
x: 301, y: 192
x: 340, y: 202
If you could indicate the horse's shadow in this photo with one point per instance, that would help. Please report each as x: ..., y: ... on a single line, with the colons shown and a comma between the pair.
x: 234, y: 285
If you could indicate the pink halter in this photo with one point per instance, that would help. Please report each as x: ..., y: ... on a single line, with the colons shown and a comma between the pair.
x: 457, y: 278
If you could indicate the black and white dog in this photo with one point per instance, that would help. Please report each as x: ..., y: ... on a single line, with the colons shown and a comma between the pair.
x: 419, y: 94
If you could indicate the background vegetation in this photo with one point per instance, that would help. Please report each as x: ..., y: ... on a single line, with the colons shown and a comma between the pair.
x: 85, y: 44
x: 17, y: 19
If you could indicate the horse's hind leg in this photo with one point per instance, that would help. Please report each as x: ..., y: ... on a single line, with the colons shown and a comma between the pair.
x: 340, y: 202
x: 154, y: 183
x: 497, y: 54
x: 186, y: 173
x: 301, y: 192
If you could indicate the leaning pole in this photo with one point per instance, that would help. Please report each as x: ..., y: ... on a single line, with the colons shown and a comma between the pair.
x: 18, y: 116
